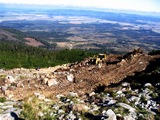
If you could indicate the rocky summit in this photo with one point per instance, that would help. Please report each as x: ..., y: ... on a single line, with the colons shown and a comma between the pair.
x: 122, y: 88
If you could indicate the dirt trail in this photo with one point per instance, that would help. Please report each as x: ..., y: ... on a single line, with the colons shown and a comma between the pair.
x: 85, y: 77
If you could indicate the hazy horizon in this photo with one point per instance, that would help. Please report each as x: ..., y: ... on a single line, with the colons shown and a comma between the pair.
x: 136, y: 5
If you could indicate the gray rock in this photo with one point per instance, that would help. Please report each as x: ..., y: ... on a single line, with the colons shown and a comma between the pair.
x: 72, y: 94
x: 111, y: 115
x: 120, y: 94
x: 111, y: 102
x: 134, y: 98
x: 71, y: 116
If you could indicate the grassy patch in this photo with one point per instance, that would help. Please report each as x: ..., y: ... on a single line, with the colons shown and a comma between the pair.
x: 32, y: 107
x: 2, y: 99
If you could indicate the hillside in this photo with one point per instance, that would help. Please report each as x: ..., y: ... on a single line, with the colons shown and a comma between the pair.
x: 86, y: 82
x: 12, y: 35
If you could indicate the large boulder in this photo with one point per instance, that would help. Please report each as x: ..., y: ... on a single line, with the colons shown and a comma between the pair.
x: 111, y: 115
x: 8, y: 112
x: 132, y: 111
x: 10, y: 79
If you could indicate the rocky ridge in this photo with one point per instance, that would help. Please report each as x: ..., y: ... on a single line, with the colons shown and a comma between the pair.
x: 82, y: 87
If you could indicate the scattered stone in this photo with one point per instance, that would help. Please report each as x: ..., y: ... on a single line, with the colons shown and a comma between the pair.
x: 80, y: 107
x: 41, y: 97
x: 45, y: 80
x: 72, y: 94
x: 1, y: 70
x: 71, y: 116
x: 134, y: 98
x: 92, y: 94
x: 47, y: 100
x: 61, y: 111
x: 37, y: 94
x: 4, y: 88
x: 148, y: 85
x: 120, y: 93
x: 111, y: 102
x: 125, y: 84
x: 41, y: 114
x: 20, y: 84
x: 8, y: 93
x: 124, y: 105
x: 52, y: 82
x: 70, y: 77
x: 157, y: 84
x: 60, y: 96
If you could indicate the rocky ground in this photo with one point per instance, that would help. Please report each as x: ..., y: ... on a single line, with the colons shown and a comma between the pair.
x: 125, y: 87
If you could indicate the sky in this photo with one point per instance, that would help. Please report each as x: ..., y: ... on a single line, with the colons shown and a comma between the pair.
x: 138, y: 5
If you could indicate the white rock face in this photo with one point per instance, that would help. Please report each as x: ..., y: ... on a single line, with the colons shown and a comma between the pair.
x: 52, y: 82
x: 70, y: 77
x: 111, y: 115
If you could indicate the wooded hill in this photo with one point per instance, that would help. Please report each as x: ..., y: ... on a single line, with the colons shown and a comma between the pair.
x: 13, y: 55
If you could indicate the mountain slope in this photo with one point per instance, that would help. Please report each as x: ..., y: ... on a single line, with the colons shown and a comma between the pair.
x: 79, y: 77
x: 12, y: 35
